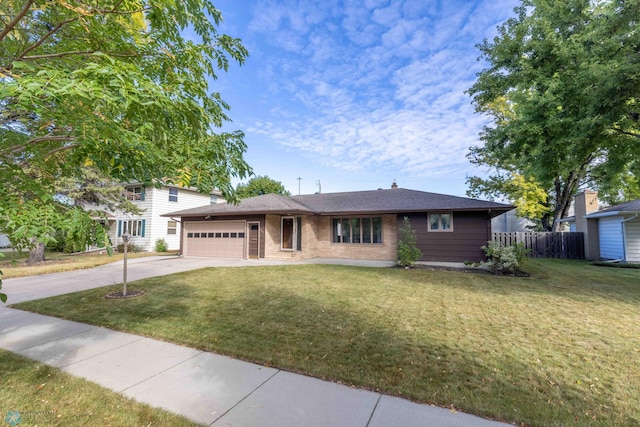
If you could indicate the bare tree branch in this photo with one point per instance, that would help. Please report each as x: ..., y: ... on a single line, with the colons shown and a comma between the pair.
x: 50, y: 138
x: 66, y: 147
x: 11, y: 25
x: 52, y: 152
x: 635, y: 135
x: 119, y: 12
x: 45, y: 37
x: 85, y: 52
x: 33, y: 141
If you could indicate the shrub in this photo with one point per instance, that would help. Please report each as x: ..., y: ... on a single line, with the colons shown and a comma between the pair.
x: 58, y: 243
x: 161, y: 245
x: 131, y: 248
x: 408, y: 252
x: 504, y: 259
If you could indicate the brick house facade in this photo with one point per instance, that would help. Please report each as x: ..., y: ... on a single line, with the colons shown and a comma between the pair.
x: 356, y: 225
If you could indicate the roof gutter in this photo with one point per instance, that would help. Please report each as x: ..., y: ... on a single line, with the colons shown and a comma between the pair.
x: 610, y: 213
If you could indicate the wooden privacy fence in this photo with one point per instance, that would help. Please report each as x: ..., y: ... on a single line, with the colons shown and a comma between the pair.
x: 545, y: 244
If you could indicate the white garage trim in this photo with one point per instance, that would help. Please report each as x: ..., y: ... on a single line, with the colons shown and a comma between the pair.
x: 221, y: 239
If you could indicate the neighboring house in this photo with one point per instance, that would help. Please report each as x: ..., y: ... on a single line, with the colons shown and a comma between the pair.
x: 145, y: 229
x: 359, y: 225
x: 611, y: 233
x: 510, y: 222
x: 4, y: 241
x: 619, y: 231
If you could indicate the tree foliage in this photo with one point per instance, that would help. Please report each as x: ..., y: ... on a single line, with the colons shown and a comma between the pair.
x: 113, y: 85
x: 259, y: 185
x: 407, y: 252
x: 562, y: 90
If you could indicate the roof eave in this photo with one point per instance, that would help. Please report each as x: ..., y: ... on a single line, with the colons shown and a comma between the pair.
x: 611, y: 213
x: 236, y: 213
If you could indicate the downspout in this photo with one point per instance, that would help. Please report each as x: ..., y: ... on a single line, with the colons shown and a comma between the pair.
x: 624, y: 235
x: 181, y: 233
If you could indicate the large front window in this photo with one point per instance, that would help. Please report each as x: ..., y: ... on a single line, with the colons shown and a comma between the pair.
x: 134, y: 227
x: 357, y: 230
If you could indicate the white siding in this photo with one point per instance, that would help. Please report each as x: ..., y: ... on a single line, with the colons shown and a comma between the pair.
x: 157, y: 225
x: 156, y: 203
x: 632, y: 229
x: 509, y: 222
x: 611, y: 241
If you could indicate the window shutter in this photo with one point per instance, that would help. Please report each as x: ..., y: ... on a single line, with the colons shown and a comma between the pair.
x: 142, y: 232
x: 119, y: 228
x: 143, y: 193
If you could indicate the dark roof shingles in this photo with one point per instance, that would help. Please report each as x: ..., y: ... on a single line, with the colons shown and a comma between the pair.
x: 631, y: 206
x: 375, y: 201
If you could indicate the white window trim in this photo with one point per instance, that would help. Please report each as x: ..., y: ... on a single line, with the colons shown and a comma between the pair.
x: 430, y: 230
x: 173, y: 195
x: 360, y: 217
x: 132, y: 195
x: 174, y: 228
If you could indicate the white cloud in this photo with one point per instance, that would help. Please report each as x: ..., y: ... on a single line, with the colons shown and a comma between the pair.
x: 377, y: 86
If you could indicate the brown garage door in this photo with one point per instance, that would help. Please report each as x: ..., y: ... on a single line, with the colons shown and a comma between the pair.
x: 223, y: 239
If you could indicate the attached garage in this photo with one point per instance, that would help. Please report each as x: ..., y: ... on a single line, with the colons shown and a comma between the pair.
x: 223, y: 239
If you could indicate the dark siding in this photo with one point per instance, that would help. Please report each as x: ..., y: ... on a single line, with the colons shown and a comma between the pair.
x: 253, y: 218
x: 470, y: 232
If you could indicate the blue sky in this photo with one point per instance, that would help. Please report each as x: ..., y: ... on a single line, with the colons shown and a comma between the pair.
x: 355, y: 94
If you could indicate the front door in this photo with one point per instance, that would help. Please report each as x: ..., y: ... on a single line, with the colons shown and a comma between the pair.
x: 254, y: 240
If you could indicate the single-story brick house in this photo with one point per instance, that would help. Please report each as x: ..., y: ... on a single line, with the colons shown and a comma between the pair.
x: 357, y: 225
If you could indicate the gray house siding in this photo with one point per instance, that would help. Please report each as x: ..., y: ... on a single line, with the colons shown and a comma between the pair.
x: 632, y: 240
x: 611, y: 240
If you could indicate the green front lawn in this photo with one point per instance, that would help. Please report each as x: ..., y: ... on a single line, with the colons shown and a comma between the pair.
x: 33, y: 394
x: 559, y: 348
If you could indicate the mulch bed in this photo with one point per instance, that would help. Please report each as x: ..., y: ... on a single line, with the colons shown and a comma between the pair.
x: 130, y: 294
x: 471, y: 270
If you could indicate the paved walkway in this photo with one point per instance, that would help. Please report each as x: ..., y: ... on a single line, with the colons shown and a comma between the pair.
x: 208, y: 388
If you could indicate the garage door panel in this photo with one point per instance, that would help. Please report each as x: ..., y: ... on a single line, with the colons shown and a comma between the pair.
x: 224, y: 239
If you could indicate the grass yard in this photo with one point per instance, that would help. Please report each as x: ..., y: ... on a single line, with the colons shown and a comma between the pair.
x: 45, y: 396
x: 561, y: 347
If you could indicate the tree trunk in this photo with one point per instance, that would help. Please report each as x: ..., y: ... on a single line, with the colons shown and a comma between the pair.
x: 36, y: 254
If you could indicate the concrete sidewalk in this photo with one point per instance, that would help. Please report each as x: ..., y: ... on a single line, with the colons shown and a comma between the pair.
x: 208, y: 388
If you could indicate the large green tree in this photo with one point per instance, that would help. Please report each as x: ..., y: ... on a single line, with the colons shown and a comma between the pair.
x: 562, y: 90
x: 118, y: 85
x: 259, y: 185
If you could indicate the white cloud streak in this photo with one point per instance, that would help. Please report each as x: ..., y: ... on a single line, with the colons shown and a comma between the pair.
x: 380, y: 86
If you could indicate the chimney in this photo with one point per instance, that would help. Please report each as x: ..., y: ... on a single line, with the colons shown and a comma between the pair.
x: 394, y: 185
x: 585, y: 203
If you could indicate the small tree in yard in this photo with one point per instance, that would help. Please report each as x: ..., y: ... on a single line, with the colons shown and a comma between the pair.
x: 408, y: 252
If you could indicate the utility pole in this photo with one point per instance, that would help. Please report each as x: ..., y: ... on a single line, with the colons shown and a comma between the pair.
x: 299, y: 179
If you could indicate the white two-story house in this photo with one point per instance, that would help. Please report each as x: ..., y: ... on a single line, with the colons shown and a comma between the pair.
x: 145, y: 229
